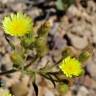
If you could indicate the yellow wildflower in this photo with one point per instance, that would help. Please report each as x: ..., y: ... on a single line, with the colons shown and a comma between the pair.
x: 17, y: 24
x: 4, y: 92
x: 71, y: 67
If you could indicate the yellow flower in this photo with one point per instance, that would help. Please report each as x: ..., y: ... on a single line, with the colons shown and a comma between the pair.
x: 71, y: 67
x: 4, y: 92
x: 17, y: 24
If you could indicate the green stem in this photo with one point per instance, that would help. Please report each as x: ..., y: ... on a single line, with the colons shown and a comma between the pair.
x: 46, y: 70
x: 8, y: 72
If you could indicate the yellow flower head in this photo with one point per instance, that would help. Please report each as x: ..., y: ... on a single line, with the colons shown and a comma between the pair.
x: 17, y: 24
x: 71, y: 67
x: 4, y: 92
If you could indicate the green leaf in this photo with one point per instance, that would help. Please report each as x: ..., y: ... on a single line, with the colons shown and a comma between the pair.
x: 41, y: 46
x: 17, y: 58
x: 27, y: 42
x: 64, y: 4
x: 59, y: 5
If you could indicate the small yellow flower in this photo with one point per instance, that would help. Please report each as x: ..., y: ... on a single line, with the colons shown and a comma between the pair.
x: 4, y: 92
x: 71, y: 67
x: 17, y: 24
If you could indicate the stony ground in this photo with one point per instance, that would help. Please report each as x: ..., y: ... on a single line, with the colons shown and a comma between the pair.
x: 77, y: 30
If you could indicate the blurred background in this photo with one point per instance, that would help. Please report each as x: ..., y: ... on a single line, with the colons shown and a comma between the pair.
x: 73, y: 25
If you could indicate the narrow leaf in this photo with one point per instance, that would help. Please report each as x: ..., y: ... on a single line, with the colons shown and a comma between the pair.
x: 52, y: 80
x: 35, y: 88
